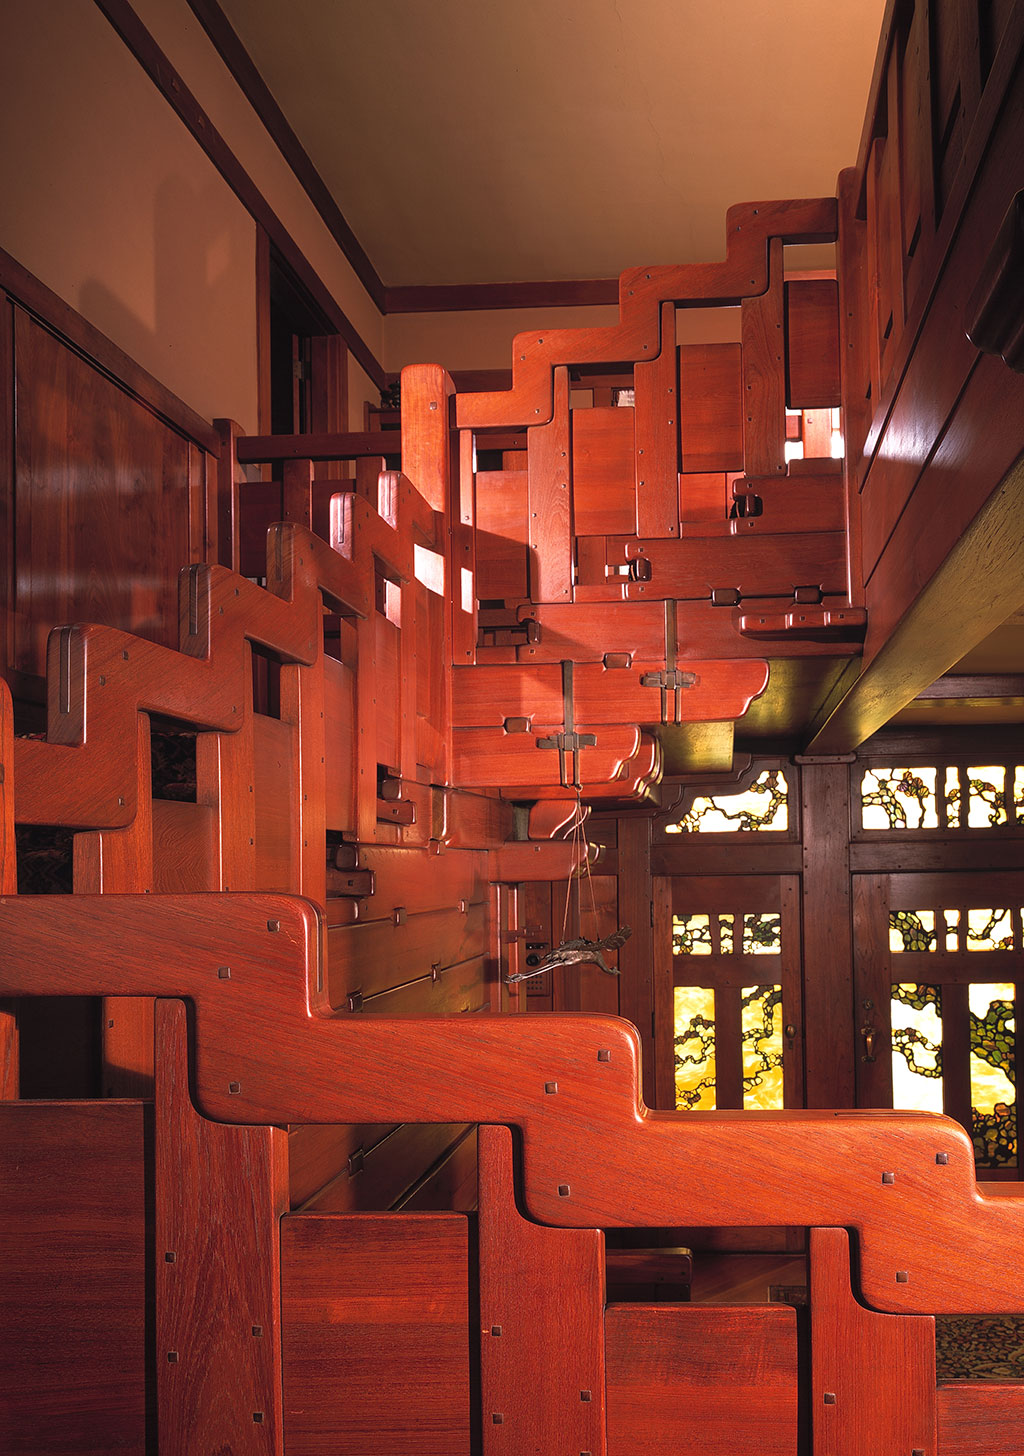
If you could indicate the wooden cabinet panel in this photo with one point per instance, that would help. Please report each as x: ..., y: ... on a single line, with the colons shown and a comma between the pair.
x: 375, y: 1353
x: 701, y: 1380
x: 73, y: 1293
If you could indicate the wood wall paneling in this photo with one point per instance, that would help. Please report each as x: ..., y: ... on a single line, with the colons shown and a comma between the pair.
x: 375, y: 1351
x: 541, y: 1321
x: 99, y: 482
x: 219, y: 1193
x: 827, y: 949
x: 74, y: 1291
x: 701, y: 1378
x: 854, y: 1409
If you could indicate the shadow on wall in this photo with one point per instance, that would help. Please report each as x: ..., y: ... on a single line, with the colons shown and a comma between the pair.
x: 201, y: 342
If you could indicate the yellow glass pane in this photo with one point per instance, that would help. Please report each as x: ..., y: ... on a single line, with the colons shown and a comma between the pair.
x: 761, y: 1029
x: 695, y: 1048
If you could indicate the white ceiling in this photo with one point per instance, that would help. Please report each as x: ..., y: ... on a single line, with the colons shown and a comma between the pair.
x: 481, y: 141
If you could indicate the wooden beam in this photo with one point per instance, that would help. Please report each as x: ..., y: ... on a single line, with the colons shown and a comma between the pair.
x: 980, y: 583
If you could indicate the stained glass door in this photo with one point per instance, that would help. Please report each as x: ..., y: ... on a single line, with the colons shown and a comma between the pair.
x: 730, y: 945
x: 939, y: 962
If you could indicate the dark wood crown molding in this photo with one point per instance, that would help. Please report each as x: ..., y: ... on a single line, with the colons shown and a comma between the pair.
x: 456, y: 297
x: 171, y: 86
x: 238, y: 61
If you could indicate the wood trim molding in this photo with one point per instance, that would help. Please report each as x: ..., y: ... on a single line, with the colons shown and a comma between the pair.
x: 238, y: 61
x: 171, y: 86
x: 24, y: 289
x: 457, y: 297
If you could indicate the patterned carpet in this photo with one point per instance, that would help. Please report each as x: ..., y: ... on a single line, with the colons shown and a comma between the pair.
x: 975, y: 1348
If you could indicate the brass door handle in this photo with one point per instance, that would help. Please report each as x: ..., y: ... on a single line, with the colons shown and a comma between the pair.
x: 869, y: 1033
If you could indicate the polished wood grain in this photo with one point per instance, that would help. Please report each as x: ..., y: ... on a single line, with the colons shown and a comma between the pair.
x: 872, y: 1375
x: 73, y: 1320
x: 603, y: 483
x: 827, y: 945
x: 375, y: 1353
x: 812, y: 344
x: 641, y: 292
x: 701, y: 1380
x: 550, y: 500
x: 657, y: 436
x: 979, y: 1417
x: 219, y: 1193
x: 102, y: 524
x: 8, y: 885
x: 711, y: 408
x: 764, y: 373
x: 621, y: 1163
x: 541, y: 1322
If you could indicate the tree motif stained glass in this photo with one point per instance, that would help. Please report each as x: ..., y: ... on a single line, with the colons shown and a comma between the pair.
x: 993, y: 1074
x: 986, y: 804
x: 695, y: 1048
x: 911, y: 930
x: 725, y: 933
x: 761, y: 1031
x: 762, y: 934
x: 898, y: 798
x: 951, y: 793
x: 989, y: 930
x: 916, y: 1047
x: 691, y: 934
x: 762, y: 806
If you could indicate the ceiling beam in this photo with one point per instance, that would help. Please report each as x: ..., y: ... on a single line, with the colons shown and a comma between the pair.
x: 979, y: 585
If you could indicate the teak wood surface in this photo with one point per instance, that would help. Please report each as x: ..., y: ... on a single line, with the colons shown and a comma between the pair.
x: 593, y: 1154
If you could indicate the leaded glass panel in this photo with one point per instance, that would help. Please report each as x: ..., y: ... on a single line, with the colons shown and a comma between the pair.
x: 761, y: 806
x: 898, y: 798
x: 911, y: 930
x: 986, y: 797
x: 695, y: 1048
x: 761, y: 1029
x: 993, y: 1074
x: 989, y: 930
x: 916, y: 1047
x: 691, y: 934
x: 762, y: 934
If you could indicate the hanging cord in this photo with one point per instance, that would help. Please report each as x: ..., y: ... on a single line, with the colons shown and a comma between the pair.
x: 581, y: 849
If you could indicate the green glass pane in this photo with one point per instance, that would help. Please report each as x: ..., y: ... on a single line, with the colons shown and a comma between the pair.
x: 916, y: 1047
x: 761, y: 1030
x: 911, y: 930
x: 762, y: 934
x: 993, y: 1074
x: 898, y: 798
x: 695, y: 1048
x: 761, y: 806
